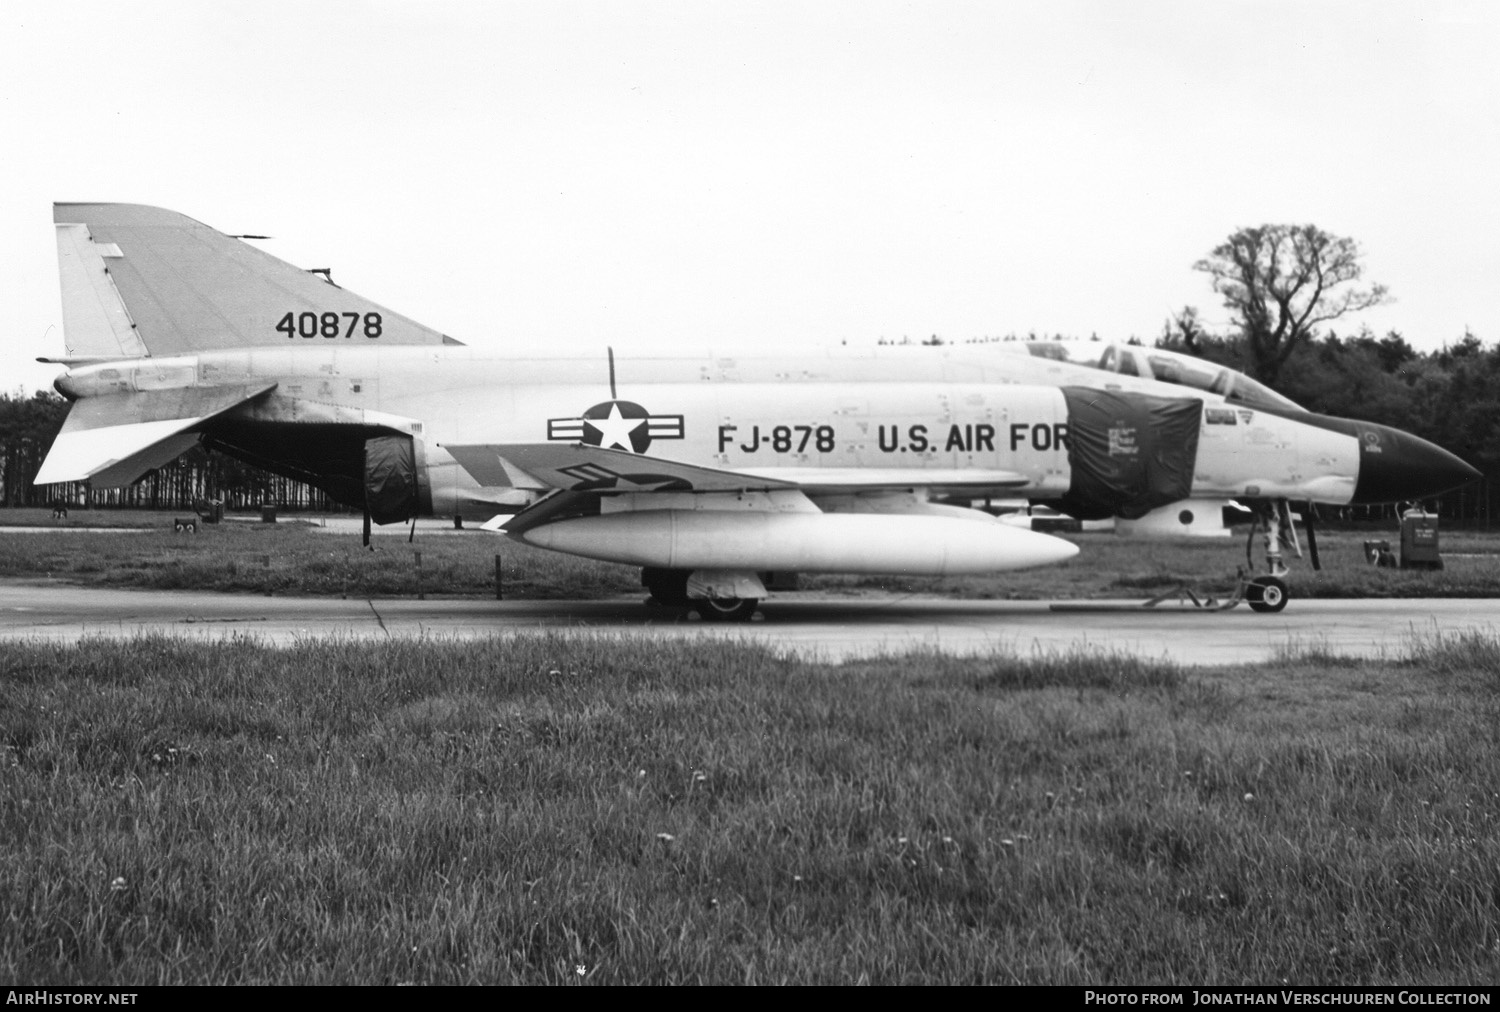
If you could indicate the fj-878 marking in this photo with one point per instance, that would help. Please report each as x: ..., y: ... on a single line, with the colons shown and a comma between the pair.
x: 330, y: 325
x: 780, y: 438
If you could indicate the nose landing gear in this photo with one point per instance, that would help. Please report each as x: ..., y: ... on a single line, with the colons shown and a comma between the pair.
x: 1278, y: 529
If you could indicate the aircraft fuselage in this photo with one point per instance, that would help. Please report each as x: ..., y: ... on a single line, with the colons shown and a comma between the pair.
x: 956, y: 425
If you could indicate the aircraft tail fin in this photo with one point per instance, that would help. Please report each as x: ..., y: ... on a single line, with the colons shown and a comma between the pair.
x: 141, y: 280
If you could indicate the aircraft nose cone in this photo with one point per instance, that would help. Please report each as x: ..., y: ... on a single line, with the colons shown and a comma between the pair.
x: 1396, y: 466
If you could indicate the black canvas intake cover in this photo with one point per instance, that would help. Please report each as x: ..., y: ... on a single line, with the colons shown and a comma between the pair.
x: 1130, y: 453
x: 391, y: 491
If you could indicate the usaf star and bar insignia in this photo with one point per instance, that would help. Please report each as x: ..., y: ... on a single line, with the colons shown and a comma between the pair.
x: 616, y: 424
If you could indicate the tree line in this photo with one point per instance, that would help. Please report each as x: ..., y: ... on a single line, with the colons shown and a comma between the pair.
x: 29, y: 424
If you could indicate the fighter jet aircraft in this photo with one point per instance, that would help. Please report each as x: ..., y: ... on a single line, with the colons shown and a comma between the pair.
x: 706, y: 471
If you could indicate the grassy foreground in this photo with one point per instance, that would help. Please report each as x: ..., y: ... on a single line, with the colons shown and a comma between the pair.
x: 630, y: 811
x: 294, y: 558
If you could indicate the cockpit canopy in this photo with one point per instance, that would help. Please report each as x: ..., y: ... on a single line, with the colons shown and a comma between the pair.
x: 1164, y: 367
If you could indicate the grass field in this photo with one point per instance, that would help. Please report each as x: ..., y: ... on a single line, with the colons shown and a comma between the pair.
x: 556, y: 810
x: 295, y: 558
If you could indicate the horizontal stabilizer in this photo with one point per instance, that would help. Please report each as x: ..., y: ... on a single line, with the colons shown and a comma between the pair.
x: 114, y: 439
x: 581, y: 468
x: 74, y: 361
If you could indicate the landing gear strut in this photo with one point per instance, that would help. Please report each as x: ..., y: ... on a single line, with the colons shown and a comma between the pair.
x: 1273, y: 521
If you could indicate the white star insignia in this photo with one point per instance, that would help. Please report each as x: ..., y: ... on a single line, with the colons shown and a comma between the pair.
x: 616, y: 429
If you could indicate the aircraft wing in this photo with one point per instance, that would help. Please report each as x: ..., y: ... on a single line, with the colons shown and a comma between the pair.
x: 113, y: 439
x: 577, y: 467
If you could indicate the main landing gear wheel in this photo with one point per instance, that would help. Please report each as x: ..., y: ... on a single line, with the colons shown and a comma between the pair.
x: 725, y: 609
x: 669, y: 587
x: 1267, y: 594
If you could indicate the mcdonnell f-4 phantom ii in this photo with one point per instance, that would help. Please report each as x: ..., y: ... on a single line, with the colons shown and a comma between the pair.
x: 707, y: 472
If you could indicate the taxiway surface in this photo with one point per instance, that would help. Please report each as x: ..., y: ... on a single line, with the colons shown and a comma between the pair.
x: 830, y: 628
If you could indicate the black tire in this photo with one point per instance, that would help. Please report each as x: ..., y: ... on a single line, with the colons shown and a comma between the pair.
x: 1267, y: 594
x: 726, y: 609
x: 667, y: 586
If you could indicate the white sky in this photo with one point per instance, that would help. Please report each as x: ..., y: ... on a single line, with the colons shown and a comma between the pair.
x: 565, y: 175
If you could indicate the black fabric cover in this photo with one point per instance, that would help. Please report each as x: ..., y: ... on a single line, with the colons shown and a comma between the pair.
x: 391, y: 493
x: 1129, y: 453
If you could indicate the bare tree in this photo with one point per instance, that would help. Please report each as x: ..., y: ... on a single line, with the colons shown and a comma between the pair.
x: 1282, y: 281
x: 1184, y: 330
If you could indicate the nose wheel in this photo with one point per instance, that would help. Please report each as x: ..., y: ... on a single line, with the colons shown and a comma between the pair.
x: 1266, y: 593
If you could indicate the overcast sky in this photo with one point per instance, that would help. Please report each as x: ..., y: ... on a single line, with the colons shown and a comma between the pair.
x: 690, y: 175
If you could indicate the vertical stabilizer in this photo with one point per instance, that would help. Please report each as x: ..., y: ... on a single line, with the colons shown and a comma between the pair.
x: 173, y: 286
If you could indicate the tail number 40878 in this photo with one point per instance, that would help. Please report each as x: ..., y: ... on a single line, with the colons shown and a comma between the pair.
x: 330, y: 325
